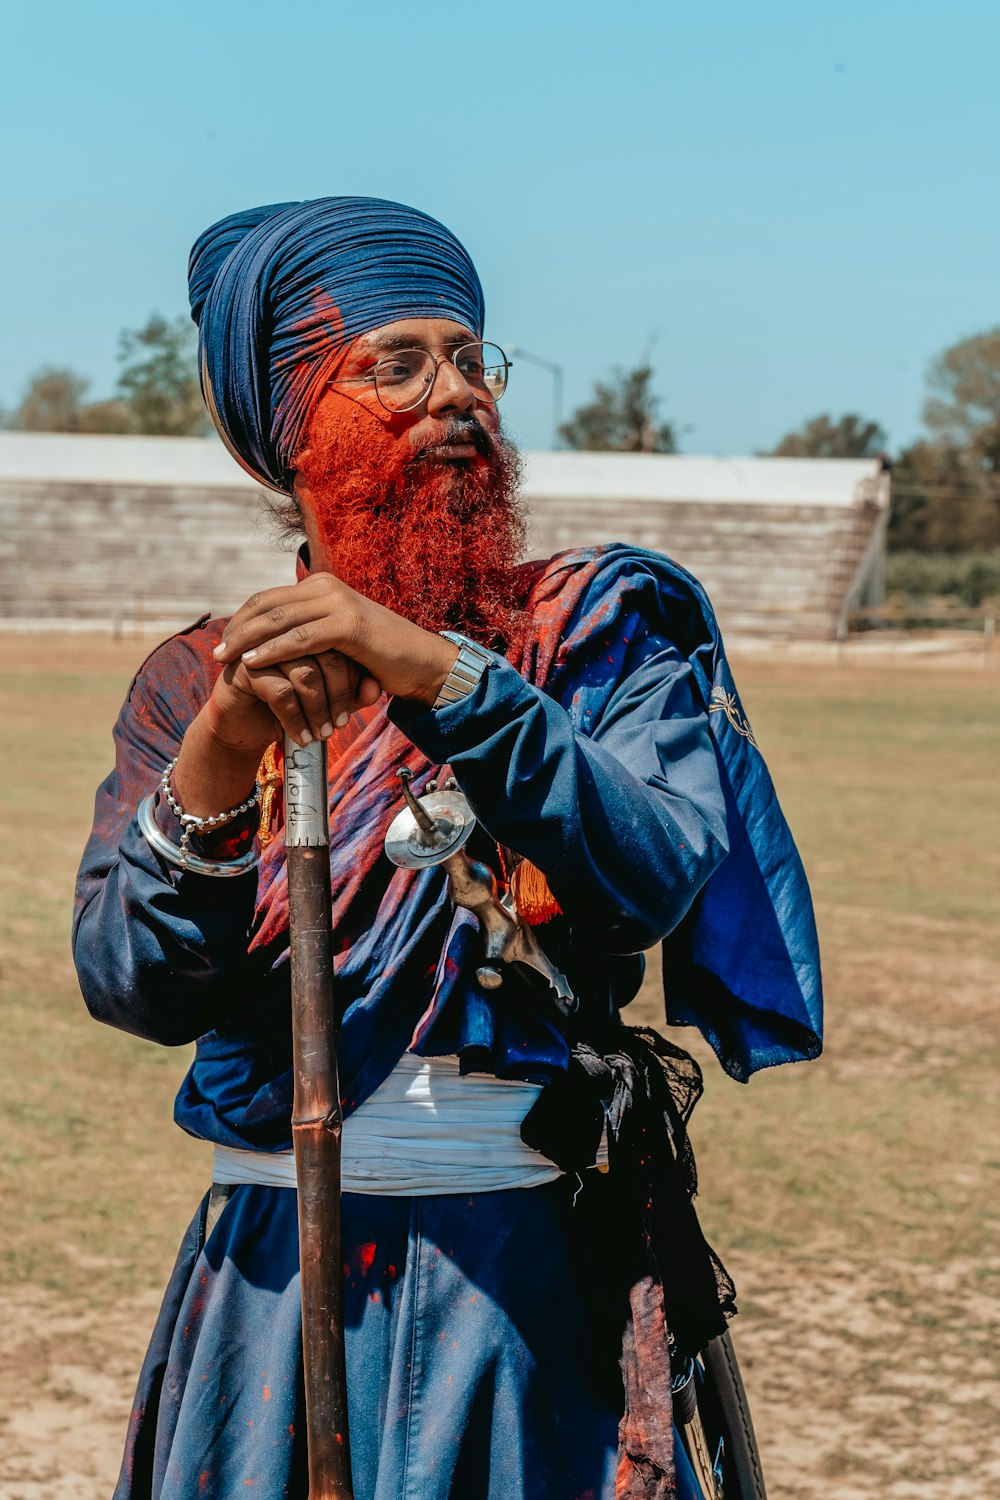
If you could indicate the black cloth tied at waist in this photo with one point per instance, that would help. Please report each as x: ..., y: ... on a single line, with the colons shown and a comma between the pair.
x: 679, y: 1293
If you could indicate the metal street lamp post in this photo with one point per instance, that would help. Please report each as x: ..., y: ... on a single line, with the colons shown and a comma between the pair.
x: 556, y: 371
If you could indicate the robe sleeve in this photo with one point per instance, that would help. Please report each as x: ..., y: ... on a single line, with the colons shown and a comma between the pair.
x: 159, y: 951
x: 626, y: 818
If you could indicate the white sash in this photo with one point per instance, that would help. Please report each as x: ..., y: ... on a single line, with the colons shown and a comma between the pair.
x: 425, y: 1130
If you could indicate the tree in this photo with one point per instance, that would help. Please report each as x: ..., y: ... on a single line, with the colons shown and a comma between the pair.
x: 51, y: 401
x: 946, y: 490
x: 963, y: 410
x: 850, y: 436
x: 106, y: 416
x: 157, y: 389
x: 942, y: 501
x: 622, y: 418
x: 159, y: 378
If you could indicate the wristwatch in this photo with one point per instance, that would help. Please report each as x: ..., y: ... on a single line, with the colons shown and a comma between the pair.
x: 465, y: 674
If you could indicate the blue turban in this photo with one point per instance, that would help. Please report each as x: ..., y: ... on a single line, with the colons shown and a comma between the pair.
x: 276, y: 292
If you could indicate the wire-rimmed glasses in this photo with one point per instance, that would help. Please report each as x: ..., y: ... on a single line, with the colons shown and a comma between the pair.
x: 404, y: 378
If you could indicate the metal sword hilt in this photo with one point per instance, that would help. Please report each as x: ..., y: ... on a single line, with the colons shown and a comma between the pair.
x: 432, y: 830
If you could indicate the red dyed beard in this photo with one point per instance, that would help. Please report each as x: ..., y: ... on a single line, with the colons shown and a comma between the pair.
x: 436, y: 542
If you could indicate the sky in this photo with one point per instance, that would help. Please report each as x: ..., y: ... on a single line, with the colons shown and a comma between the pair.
x: 789, y: 207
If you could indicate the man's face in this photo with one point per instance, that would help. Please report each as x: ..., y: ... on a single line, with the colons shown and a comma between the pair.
x: 447, y: 434
x: 416, y: 509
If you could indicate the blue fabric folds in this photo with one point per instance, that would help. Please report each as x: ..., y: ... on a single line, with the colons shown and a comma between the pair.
x: 615, y: 756
x: 742, y: 961
x: 743, y: 964
x: 482, y: 1336
x: 277, y: 291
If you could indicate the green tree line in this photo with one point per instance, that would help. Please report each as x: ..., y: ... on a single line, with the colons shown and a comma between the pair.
x: 157, y: 389
x: 946, y: 487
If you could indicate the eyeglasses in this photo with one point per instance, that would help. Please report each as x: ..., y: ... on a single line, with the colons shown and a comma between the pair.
x: 406, y: 377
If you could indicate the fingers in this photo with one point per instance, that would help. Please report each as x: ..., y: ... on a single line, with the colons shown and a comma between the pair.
x: 316, y: 615
x: 263, y: 644
x: 347, y: 686
x: 310, y: 696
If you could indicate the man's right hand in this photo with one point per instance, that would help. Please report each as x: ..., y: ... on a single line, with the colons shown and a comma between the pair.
x: 304, y: 698
x: 249, y: 709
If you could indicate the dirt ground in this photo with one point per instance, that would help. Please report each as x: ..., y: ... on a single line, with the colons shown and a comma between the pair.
x: 855, y: 1200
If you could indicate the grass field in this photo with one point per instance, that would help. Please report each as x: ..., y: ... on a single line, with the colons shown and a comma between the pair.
x: 855, y: 1199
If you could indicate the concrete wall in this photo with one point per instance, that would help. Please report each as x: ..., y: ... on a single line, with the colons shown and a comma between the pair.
x: 149, y: 533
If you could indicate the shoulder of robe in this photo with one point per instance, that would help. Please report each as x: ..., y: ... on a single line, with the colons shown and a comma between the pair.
x: 188, y: 652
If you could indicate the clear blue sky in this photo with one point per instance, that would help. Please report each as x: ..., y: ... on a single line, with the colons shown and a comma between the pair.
x: 792, y: 204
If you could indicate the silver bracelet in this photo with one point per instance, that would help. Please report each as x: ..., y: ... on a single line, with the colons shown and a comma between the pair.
x: 190, y: 824
x: 465, y: 674
x: 194, y: 863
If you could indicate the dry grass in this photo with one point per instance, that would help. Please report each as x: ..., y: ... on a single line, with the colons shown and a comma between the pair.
x: 855, y: 1199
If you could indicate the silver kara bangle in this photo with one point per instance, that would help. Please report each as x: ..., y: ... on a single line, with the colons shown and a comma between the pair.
x: 465, y: 674
x: 190, y: 824
x: 184, y: 859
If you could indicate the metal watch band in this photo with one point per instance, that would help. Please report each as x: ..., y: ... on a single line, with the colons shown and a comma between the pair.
x: 465, y: 674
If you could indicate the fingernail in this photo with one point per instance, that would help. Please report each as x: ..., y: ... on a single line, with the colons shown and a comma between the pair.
x: 220, y: 649
x: 325, y: 730
x: 343, y: 720
x: 305, y: 738
x: 249, y: 655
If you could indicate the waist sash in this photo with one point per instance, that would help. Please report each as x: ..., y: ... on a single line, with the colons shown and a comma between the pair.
x: 425, y: 1130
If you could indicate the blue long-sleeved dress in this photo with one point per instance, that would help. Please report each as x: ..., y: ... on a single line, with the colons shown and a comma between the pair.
x: 606, y: 756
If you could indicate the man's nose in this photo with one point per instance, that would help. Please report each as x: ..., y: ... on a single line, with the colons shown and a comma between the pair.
x: 450, y: 391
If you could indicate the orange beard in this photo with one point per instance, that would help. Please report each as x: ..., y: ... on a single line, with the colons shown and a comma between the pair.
x: 437, y: 543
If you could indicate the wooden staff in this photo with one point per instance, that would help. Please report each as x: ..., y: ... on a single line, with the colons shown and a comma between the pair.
x: 317, y: 1123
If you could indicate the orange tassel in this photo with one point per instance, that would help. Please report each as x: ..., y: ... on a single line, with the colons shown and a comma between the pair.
x: 534, y: 900
x: 271, y: 775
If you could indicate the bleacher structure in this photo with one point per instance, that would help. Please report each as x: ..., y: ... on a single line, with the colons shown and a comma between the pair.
x: 145, y: 533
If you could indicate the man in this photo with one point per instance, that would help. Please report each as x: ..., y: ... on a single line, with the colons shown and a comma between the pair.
x: 493, y: 1279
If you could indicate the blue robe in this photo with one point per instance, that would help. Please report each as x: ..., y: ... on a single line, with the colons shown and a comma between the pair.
x: 614, y: 754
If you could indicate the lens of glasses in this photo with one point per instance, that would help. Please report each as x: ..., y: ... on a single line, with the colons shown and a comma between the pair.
x: 484, y: 366
x: 404, y: 378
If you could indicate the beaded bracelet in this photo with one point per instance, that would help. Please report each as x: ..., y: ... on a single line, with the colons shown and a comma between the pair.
x: 192, y: 825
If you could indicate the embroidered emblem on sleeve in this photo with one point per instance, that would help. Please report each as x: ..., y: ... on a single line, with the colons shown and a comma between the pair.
x: 726, y: 703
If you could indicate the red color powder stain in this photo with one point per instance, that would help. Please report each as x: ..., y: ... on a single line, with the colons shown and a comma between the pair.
x: 392, y: 1271
x: 267, y: 1393
x: 366, y: 1255
x: 376, y: 1297
x: 203, y: 1482
x: 291, y: 1429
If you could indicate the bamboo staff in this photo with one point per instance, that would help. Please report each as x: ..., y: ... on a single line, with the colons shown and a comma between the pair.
x: 317, y: 1124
